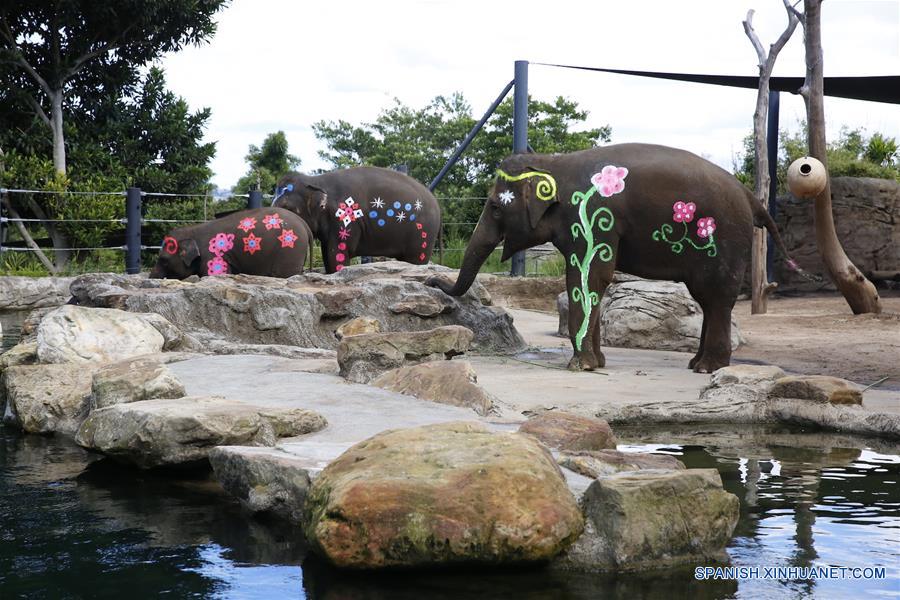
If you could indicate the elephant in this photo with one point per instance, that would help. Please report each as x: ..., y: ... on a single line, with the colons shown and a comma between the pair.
x: 627, y: 207
x: 262, y: 241
x: 364, y: 211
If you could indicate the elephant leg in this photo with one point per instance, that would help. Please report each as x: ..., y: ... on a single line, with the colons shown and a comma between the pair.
x: 584, y: 329
x: 717, y: 303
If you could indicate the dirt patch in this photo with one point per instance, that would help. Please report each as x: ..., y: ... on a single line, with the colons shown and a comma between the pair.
x: 818, y: 335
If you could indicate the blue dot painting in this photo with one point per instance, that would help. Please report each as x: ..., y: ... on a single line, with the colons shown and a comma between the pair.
x: 381, y: 222
x: 373, y: 214
x: 396, y: 205
x: 412, y: 217
x: 390, y: 212
x: 408, y: 206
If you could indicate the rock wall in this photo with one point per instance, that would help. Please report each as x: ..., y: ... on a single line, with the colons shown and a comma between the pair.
x: 867, y: 219
x: 22, y: 293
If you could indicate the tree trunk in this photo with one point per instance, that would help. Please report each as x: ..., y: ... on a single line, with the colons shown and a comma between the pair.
x: 859, y: 292
x: 29, y: 241
x: 56, y: 125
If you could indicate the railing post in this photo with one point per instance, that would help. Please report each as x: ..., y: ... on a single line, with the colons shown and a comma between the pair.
x: 132, y: 231
x: 520, y: 139
x: 772, y: 151
x: 254, y: 199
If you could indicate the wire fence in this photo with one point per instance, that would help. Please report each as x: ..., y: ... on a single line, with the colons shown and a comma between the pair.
x: 141, y: 223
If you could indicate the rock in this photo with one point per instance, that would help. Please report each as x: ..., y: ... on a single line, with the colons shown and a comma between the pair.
x: 529, y: 293
x: 153, y: 433
x: 745, y: 375
x: 656, y: 315
x: 640, y: 313
x: 363, y: 357
x: 133, y: 380
x: 653, y: 519
x: 304, y: 310
x: 451, y: 382
x: 598, y: 463
x: 422, y: 305
x: 263, y: 479
x: 77, y: 334
x: 47, y: 398
x: 438, y: 495
x: 831, y: 417
x: 866, y: 213
x: 19, y: 293
x: 357, y: 326
x: 566, y: 431
x: 818, y: 388
x: 562, y: 307
x: 23, y: 353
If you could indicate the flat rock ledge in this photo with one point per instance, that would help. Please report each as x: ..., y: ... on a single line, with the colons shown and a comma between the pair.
x: 452, y: 382
x: 305, y: 310
x: 23, y: 293
x: 566, y: 431
x: 154, y: 433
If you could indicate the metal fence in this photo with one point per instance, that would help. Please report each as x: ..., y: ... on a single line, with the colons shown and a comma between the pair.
x: 134, y: 223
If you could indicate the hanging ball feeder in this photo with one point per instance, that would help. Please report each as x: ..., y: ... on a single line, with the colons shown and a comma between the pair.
x: 806, y: 177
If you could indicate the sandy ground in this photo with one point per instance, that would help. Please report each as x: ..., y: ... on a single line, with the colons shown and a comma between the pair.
x: 819, y: 335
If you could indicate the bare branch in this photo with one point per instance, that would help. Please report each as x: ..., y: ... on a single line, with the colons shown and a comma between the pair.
x: 7, y: 33
x: 38, y: 109
x: 754, y: 39
x: 29, y: 241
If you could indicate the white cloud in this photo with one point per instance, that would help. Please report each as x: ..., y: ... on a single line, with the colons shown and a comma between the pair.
x: 278, y: 64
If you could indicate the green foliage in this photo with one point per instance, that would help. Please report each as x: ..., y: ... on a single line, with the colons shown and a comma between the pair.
x: 424, y: 138
x: 268, y: 164
x: 852, y: 154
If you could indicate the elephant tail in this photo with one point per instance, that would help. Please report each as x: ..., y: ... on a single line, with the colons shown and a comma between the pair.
x: 762, y: 218
x: 310, y: 242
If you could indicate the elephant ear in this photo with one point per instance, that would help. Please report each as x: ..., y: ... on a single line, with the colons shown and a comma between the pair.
x: 538, y: 192
x: 316, y: 200
x: 189, y: 252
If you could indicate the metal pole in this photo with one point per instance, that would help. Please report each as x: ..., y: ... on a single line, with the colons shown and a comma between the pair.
x: 520, y: 139
x: 772, y: 150
x: 254, y: 199
x: 132, y: 231
x: 465, y: 143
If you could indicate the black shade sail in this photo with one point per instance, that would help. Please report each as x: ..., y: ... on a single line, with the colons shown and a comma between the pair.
x: 884, y: 88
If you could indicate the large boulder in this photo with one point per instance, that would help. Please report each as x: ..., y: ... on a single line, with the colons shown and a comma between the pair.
x: 363, y: 357
x: 47, y: 398
x: 452, y: 382
x: 263, y: 479
x: 78, y: 334
x: 817, y: 388
x: 599, y: 463
x: 649, y: 314
x: 566, y: 431
x: 653, y: 519
x: 305, y: 310
x: 454, y: 493
x: 133, y: 380
x: 20, y: 293
x: 180, y: 431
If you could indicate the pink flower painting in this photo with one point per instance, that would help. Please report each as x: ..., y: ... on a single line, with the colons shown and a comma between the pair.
x: 683, y: 212
x: 706, y: 226
x: 247, y: 224
x: 609, y: 181
x: 272, y: 221
x: 287, y: 238
x: 221, y: 243
x: 252, y: 244
x: 217, y: 266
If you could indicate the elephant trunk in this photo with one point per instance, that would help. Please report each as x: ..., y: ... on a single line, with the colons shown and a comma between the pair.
x: 484, y: 241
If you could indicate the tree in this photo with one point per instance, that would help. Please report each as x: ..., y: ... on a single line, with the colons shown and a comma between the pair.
x: 760, y: 286
x: 268, y: 163
x: 859, y: 292
x: 423, y: 139
x: 58, y: 53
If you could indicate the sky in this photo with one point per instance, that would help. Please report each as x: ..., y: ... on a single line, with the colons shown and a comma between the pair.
x: 285, y: 64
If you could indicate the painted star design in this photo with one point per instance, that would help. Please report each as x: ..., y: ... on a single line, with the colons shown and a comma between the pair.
x: 506, y: 197
x: 344, y: 233
x: 418, y: 205
x: 400, y: 216
x: 378, y: 203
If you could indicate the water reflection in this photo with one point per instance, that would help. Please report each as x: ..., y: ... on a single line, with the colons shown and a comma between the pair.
x: 73, y: 526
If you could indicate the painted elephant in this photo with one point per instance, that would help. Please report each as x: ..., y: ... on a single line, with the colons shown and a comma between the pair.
x: 651, y: 211
x: 364, y: 211
x: 263, y: 241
